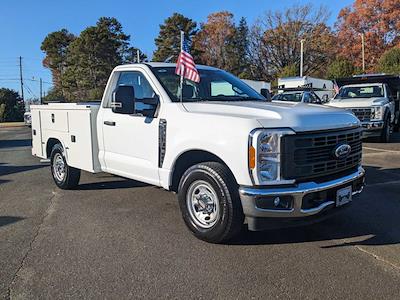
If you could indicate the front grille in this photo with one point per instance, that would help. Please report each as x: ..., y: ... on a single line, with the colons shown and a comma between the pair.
x: 363, y: 114
x: 311, y: 155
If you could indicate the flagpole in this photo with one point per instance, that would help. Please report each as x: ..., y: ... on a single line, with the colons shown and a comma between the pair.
x: 181, y: 83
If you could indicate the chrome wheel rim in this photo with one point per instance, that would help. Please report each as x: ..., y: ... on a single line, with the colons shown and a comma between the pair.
x: 202, y: 203
x: 58, y: 167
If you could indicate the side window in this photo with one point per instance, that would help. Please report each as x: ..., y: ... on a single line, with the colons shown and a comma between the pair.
x: 307, y: 98
x: 314, y: 98
x: 143, y: 89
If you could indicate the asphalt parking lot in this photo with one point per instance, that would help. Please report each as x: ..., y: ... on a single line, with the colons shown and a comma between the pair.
x: 117, y: 238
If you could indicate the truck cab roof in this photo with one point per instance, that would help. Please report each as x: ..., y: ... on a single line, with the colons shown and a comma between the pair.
x: 159, y: 65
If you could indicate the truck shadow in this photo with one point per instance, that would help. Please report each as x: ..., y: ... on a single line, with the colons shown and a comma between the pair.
x: 10, y: 169
x: 372, y: 219
x: 395, y: 138
x: 7, y: 220
x: 110, y: 185
x: 15, y: 143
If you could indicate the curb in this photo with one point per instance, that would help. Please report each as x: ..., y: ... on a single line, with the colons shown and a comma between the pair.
x: 12, y: 125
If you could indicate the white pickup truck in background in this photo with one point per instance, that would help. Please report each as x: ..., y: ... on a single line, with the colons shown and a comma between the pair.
x: 232, y: 158
x: 374, y: 99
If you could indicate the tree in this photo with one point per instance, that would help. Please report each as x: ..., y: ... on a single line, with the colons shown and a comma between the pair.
x: 390, y: 61
x: 131, y: 56
x: 275, y: 41
x: 81, y: 65
x: 378, y: 20
x: 215, y: 41
x: 168, y: 42
x: 288, y: 71
x: 241, y: 49
x: 91, y: 58
x: 55, y: 45
x: 12, y: 107
x: 339, y: 68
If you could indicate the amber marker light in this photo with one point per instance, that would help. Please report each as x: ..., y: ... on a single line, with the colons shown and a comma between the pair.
x: 252, y: 157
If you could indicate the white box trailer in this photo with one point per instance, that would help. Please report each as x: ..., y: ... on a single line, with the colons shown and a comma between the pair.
x: 309, y: 82
x: 74, y: 124
x: 258, y: 85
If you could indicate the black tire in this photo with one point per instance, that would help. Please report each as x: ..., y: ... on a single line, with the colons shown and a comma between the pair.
x: 386, y: 131
x: 230, y: 217
x: 71, y: 176
x: 396, y: 127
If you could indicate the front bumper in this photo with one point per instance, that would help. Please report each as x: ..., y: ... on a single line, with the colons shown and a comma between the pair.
x: 309, y: 199
x: 372, y: 128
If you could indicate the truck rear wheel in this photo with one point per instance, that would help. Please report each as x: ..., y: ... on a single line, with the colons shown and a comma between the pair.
x: 209, y: 201
x: 64, y: 176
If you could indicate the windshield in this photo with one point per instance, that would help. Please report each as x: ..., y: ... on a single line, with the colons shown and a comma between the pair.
x: 293, y: 97
x: 372, y: 91
x: 214, y: 85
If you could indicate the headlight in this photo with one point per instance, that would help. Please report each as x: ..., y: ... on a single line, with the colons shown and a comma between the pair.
x: 265, y: 155
x: 377, y: 113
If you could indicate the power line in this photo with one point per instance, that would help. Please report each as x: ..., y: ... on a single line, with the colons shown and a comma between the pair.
x: 30, y: 91
x: 26, y: 79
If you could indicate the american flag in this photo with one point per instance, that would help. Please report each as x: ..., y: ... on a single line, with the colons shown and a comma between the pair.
x: 336, y: 87
x: 185, y: 65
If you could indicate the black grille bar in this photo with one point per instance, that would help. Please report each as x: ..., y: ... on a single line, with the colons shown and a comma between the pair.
x: 363, y: 114
x: 311, y: 155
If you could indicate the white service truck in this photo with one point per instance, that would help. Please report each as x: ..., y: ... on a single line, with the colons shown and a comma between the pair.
x: 374, y: 99
x: 323, y: 88
x: 262, y: 87
x: 231, y: 156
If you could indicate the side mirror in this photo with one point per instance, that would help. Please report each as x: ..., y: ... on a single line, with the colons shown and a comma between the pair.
x: 266, y: 94
x: 151, y: 108
x: 124, y: 100
x: 325, y: 98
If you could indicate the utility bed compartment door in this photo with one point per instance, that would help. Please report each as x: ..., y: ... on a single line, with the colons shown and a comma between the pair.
x: 56, y: 120
x: 37, y: 146
x: 80, y: 144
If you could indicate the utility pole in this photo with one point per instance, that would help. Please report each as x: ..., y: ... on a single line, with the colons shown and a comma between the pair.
x: 138, y: 56
x: 40, y: 90
x: 301, y: 56
x: 363, y: 52
x: 20, y: 76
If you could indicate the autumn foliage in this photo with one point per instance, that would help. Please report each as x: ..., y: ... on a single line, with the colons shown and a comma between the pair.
x: 267, y: 49
x: 378, y: 20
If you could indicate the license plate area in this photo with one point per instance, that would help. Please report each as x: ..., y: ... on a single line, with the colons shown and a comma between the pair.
x: 343, y: 196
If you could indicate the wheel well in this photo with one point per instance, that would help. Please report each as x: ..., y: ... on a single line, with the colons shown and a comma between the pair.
x: 188, y: 159
x: 50, y: 144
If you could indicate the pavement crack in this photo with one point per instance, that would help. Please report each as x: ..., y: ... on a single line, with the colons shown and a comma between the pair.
x: 377, y: 257
x: 47, y: 213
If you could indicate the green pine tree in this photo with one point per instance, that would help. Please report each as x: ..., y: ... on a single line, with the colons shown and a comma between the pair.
x: 168, y: 41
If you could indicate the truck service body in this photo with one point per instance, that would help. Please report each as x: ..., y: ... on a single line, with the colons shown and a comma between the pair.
x: 321, y: 87
x: 230, y: 158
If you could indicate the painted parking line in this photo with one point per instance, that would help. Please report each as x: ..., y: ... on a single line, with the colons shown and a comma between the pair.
x: 383, y: 150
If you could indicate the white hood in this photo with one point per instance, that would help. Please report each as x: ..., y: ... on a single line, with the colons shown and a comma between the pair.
x: 298, y: 116
x: 357, y: 102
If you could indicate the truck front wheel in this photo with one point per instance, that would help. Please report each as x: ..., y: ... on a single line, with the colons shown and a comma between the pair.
x: 386, y: 131
x: 209, y: 201
x: 64, y: 176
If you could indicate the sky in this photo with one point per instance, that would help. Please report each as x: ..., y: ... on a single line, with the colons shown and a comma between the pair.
x: 25, y: 23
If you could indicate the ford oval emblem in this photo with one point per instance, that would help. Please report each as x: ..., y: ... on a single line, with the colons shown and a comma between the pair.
x: 342, y: 151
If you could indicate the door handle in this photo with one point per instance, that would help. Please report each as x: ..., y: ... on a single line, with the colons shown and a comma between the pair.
x: 109, y: 123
